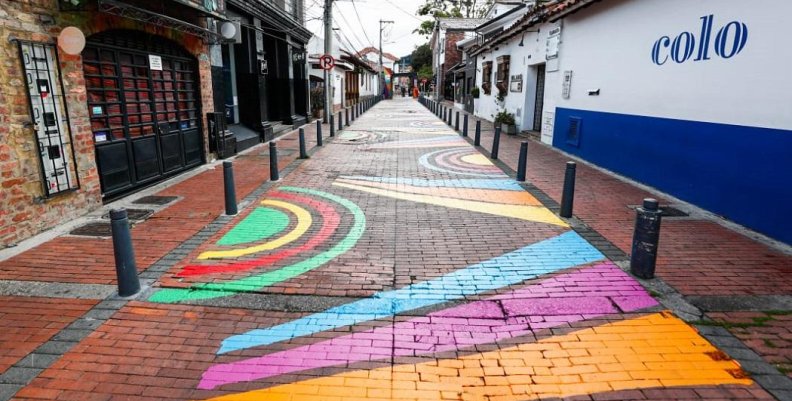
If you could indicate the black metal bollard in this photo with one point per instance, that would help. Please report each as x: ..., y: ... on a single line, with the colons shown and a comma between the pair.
x: 340, y: 121
x: 477, y: 136
x: 450, y: 116
x: 522, y: 161
x: 495, y: 143
x: 332, y: 125
x: 346, y: 115
x: 568, y: 196
x: 301, y: 134
x: 230, y: 188
x: 645, y: 239
x: 126, y: 269
x: 274, y: 174
x: 456, y: 124
x: 465, y: 126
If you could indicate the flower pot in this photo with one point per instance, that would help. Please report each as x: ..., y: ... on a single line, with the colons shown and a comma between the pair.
x: 509, y: 129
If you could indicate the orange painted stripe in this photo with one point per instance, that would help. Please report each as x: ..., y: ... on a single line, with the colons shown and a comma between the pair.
x: 482, y: 195
x: 657, y: 350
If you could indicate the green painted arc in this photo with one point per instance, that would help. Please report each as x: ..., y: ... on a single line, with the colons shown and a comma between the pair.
x: 261, y: 223
x: 248, y: 284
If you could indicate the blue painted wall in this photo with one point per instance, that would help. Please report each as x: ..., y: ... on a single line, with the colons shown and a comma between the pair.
x: 742, y: 173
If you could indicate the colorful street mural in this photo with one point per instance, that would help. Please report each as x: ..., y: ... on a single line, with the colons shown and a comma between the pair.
x: 444, y: 141
x: 465, y: 161
x: 553, y: 318
x: 602, y: 289
x: 514, y: 203
x: 651, y: 350
x: 293, y: 200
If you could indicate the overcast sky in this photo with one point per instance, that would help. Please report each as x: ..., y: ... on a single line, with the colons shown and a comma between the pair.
x: 362, y: 32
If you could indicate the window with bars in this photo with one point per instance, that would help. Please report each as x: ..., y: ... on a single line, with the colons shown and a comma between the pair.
x: 50, y: 117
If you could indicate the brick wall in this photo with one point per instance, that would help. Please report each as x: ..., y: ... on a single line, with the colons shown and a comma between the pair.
x: 24, y: 211
x: 452, y: 54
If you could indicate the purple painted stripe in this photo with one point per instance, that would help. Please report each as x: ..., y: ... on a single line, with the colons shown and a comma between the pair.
x: 598, y: 290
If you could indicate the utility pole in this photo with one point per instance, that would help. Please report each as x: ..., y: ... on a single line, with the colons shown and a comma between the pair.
x: 382, y: 67
x: 328, y: 49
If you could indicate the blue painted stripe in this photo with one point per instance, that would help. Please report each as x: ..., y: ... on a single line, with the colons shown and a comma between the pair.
x: 548, y: 256
x: 723, y: 168
x: 497, y: 183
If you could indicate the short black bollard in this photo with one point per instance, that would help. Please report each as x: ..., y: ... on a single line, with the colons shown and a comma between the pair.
x: 477, y: 136
x: 352, y: 113
x: 126, y: 270
x: 274, y: 174
x: 319, y: 128
x: 346, y: 115
x: 465, y: 126
x: 340, y: 121
x: 230, y: 188
x: 450, y: 117
x: 645, y: 239
x: 521, y: 162
x: 332, y: 125
x: 495, y: 143
x: 301, y: 134
x: 456, y: 124
x: 568, y: 196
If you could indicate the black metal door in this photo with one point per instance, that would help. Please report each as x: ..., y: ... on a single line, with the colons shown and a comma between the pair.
x: 539, y: 102
x: 142, y: 101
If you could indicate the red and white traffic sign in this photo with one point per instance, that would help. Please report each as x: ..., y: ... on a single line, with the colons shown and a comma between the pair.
x: 326, y: 62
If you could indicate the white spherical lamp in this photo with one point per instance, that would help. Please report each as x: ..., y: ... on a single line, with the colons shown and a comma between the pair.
x: 228, y: 30
x: 71, y: 40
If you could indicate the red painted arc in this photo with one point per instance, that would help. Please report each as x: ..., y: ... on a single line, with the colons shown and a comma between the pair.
x: 330, y: 222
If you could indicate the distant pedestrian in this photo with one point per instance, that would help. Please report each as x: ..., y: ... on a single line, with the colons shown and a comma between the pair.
x: 404, y: 91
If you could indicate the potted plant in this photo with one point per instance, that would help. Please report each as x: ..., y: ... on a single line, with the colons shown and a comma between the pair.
x: 506, y: 122
x: 475, y: 92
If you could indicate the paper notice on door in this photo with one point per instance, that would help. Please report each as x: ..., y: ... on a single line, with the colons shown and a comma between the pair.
x: 155, y: 62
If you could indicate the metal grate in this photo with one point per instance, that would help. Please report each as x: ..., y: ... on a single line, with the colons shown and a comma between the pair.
x: 98, y: 229
x: 134, y: 214
x: 666, y: 211
x: 573, y: 133
x: 156, y: 200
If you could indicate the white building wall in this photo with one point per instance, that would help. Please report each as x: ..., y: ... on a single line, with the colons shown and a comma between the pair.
x: 608, y: 47
x: 524, y: 60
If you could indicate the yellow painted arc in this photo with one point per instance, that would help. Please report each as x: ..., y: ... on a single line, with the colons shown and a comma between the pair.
x: 612, y: 357
x: 478, y: 159
x: 529, y: 213
x: 304, y: 221
x: 496, y: 196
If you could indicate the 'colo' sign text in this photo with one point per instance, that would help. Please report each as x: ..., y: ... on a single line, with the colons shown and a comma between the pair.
x: 729, y: 41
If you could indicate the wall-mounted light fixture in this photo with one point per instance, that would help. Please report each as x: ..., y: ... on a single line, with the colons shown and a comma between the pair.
x: 522, y: 40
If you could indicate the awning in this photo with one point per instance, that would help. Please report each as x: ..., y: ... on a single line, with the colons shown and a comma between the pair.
x: 126, y: 10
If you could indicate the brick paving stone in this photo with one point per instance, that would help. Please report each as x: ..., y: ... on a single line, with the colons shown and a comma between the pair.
x: 26, y: 323
x: 768, y: 334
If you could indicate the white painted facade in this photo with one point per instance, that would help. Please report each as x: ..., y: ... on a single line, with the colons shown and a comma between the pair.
x: 746, y: 89
x: 608, y: 46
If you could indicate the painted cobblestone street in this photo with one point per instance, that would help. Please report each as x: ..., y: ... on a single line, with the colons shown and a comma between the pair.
x: 397, y: 263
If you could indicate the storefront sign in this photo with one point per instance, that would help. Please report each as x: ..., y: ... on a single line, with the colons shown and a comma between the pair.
x: 155, y: 62
x: 567, y: 84
x: 516, y: 83
x: 728, y: 42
